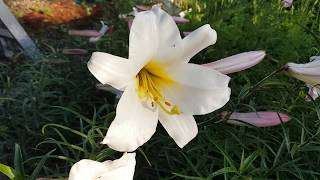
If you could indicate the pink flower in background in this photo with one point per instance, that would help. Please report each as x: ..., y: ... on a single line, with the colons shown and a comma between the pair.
x: 74, y: 51
x: 179, y: 18
x: 258, y: 119
x: 287, y: 3
x: 84, y: 33
x: 237, y: 62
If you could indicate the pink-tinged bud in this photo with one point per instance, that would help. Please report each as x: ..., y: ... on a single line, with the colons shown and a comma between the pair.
x: 237, y: 62
x: 287, y: 3
x: 180, y: 20
x: 84, y: 33
x: 103, y: 30
x: 308, y: 72
x: 258, y: 119
x: 74, y: 51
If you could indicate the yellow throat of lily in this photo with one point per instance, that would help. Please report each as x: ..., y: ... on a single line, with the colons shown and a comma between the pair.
x: 149, y: 81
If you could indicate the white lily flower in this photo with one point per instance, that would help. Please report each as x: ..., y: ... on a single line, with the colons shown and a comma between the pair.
x: 120, y: 169
x: 309, y: 73
x: 158, y: 82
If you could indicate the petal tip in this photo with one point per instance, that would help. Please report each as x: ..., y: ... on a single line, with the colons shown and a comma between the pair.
x: 212, y: 34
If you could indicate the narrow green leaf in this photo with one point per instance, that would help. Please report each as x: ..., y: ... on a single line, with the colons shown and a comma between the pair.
x: 37, y: 170
x: 224, y: 170
x: 6, y: 170
x: 18, y: 163
x: 248, y: 161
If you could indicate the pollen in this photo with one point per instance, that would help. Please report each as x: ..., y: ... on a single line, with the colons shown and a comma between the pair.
x: 149, y: 82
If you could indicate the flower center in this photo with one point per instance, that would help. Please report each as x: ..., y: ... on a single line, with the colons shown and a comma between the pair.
x: 149, y: 81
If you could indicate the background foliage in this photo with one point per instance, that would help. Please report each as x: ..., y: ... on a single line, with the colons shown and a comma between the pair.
x: 53, y: 110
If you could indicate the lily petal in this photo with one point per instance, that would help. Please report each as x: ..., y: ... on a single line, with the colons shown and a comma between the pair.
x: 237, y: 62
x: 308, y: 72
x: 122, y: 168
x: 198, y: 40
x: 155, y: 39
x: 313, y: 92
x: 258, y: 119
x: 182, y: 128
x: 112, y: 70
x: 198, y: 90
x: 133, y: 125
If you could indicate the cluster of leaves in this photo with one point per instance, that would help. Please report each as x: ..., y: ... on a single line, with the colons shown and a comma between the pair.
x: 58, y: 95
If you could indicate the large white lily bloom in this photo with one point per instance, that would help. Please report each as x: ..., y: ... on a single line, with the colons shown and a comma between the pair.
x: 120, y: 169
x: 159, y: 83
x: 309, y: 73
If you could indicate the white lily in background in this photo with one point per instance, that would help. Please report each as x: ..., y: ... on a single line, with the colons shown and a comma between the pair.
x: 120, y: 169
x: 158, y: 82
x: 309, y: 73
x: 237, y: 62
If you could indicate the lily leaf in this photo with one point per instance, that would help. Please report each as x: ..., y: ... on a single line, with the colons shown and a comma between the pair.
x: 6, y: 170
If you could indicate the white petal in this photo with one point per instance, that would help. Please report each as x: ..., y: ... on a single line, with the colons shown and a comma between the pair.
x: 198, y: 90
x: 133, y: 125
x: 182, y: 128
x: 237, y: 62
x: 120, y: 169
x: 86, y: 170
x: 198, y: 40
x: 311, y: 68
x: 112, y: 70
x: 312, y: 80
x: 154, y: 35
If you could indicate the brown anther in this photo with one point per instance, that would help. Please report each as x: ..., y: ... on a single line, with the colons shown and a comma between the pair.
x: 155, y: 99
x: 167, y: 103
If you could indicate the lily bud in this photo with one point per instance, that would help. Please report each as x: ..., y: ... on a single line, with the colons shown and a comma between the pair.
x: 75, y: 51
x: 84, y: 33
x: 238, y: 62
x: 258, y: 119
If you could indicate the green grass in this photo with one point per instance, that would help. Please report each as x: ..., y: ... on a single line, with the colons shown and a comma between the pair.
x: 52, y: 104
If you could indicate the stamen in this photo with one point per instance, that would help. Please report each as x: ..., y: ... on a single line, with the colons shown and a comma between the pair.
x: 147, y: 85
